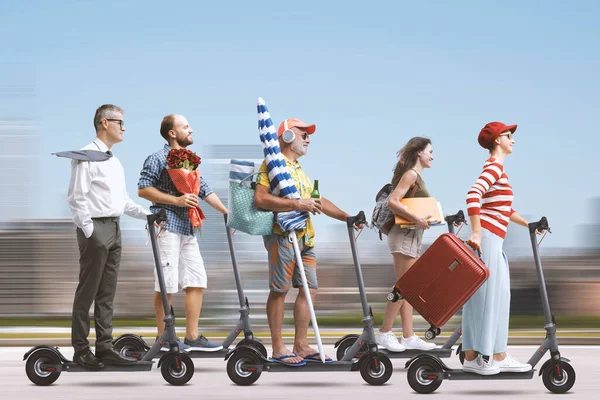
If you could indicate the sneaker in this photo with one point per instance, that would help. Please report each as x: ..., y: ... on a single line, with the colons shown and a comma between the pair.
x: 481, y: 366
x: 182, y: 346
x: 388, y: 341
x: 203, y: 344
x: 416, y: 343
x: 509, y: 364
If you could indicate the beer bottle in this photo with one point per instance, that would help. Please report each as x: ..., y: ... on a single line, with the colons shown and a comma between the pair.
x: 315, y: 193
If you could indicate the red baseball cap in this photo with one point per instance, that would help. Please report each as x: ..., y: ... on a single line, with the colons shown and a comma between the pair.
x: 491, y: 131
x: 295, y: 123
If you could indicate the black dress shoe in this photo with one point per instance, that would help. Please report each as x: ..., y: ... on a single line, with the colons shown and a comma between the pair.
x: 87, y: 360
x: 110, y: 356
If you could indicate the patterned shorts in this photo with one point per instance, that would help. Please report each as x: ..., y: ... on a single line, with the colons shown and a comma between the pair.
x: 283, y: 273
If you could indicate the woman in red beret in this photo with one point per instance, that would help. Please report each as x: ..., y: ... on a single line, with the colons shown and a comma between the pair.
x: 489, y: 205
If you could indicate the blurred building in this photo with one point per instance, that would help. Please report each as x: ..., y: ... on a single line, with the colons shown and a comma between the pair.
x: 18, y: 141
x: 590, y: 231
x: 18, y: 160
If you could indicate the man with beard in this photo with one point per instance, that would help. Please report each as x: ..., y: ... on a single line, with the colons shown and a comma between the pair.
x: 182, y: 263
x: 294, y: 138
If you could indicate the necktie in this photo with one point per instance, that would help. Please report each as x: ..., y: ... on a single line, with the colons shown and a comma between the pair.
x: 85, y: 155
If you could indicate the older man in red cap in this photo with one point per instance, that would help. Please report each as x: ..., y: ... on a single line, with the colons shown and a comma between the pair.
x: 294, y: 138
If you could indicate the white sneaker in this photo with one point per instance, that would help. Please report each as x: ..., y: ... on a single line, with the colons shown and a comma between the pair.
x: 509, y: 364
x: 388, y: 341
x: 480, y: 366
x: 416, y: 343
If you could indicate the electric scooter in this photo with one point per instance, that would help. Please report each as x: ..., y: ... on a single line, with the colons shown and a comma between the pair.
x: 45, y: 363
x: 134, y: 346
x: 426, y: 372
x: 445, y: 351
x: 245, y: 364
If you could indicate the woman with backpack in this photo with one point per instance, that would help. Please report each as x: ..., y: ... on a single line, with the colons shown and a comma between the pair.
x: 405, y: 244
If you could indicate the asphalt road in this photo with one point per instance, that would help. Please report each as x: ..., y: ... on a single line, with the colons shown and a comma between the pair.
x: 210, y: 381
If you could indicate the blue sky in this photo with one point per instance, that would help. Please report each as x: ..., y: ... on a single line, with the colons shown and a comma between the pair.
x: 369, y: 74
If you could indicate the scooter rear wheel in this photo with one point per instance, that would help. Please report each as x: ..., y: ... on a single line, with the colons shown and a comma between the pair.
x: 237, y: 367
x: 346, y: 344
x: 417, y: 376
x: 559, y: 382
x: 36, y: 367
x: 177, y: 369
x: 129, y: 346
x: 254, y: 344
x: 375, y: 370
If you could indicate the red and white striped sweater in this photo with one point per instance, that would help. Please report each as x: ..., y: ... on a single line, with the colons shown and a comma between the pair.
x: 491, y: 198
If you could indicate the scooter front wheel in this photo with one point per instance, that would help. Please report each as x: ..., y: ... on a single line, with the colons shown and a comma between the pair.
x: 177, y: 369
x: 43, y: 367
x: 559, y: 378
x: 375, y: 369
x: 241, y: 367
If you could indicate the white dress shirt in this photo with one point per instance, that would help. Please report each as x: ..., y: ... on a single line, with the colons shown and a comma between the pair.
x: 97, y: 189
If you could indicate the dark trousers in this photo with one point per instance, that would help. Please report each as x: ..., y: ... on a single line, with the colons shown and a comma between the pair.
x: 99, y: 259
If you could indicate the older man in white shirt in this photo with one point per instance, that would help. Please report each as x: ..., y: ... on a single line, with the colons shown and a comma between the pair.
x: 97, y: 198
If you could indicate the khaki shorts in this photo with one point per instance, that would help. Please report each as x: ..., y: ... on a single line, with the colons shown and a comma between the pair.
x: 405, y: 241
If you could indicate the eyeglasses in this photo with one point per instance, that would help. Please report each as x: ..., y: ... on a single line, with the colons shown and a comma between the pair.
x: 120, y: 121
x: 509, y: 135
x: 304, y: 136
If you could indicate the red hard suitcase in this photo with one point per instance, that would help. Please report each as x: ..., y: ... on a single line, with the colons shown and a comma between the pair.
x: 442, y: 279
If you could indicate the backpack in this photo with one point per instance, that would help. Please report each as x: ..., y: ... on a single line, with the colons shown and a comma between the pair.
x: 383, y: 218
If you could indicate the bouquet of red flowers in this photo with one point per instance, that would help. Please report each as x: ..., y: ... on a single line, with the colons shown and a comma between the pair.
x: 182, y: 166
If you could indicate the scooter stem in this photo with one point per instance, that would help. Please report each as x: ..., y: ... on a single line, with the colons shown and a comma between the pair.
x: 533, y: 227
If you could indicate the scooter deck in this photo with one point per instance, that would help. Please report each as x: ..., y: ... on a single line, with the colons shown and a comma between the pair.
x: 192, y: 354
x: 309, y: 367
x: 204, y: 354
x: 139, y: 366
x: 410, y: 353
x: 459, y: 374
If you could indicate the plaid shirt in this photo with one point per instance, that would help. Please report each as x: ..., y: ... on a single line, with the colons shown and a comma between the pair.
x: 154, y: 173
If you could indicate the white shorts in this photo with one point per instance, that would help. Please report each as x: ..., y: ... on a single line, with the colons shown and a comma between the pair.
x: 182, y: 264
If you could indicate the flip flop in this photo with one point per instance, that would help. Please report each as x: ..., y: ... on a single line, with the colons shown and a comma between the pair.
x: 282, y: 360
x: 316, y: 358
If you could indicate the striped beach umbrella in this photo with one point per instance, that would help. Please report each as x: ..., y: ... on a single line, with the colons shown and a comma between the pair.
x: 281, y: 182
x: 283, y: 185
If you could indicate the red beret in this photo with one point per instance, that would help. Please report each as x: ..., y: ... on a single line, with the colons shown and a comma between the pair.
x: 491, y: 131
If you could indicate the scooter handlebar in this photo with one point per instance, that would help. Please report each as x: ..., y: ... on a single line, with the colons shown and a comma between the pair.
x: 357, y: 219
x: 540, y: 226
x: 161, y: 216
x: 459, y: 218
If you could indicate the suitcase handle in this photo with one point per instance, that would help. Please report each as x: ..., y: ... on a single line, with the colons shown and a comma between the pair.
x: 478, y: 252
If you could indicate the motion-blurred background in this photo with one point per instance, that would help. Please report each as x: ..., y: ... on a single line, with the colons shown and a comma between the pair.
x: 369, y: 76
